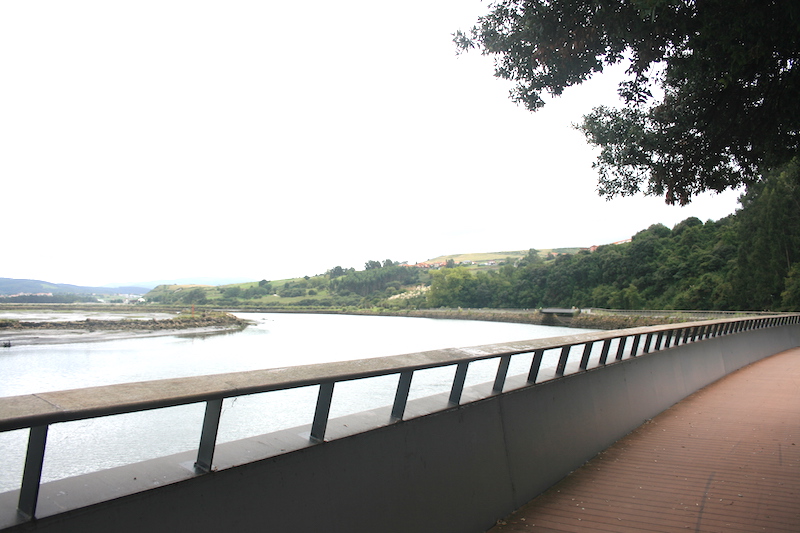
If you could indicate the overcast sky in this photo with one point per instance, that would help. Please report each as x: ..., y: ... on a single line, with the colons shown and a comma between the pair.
x: 258, y: 139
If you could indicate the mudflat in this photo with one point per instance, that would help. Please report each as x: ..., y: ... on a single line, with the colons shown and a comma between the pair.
x: 63, y: 328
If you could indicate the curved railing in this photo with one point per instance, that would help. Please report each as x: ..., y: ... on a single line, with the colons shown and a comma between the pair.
x: 37, y: 412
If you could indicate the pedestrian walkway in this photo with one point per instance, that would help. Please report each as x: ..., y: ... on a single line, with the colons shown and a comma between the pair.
x: 725, y: 459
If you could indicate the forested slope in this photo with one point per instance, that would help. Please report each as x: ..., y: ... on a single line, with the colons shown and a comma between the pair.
x: 747, y: 261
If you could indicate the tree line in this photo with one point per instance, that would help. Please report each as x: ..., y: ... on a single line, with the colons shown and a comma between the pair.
x: 338, y: 287
x: 747, y: 261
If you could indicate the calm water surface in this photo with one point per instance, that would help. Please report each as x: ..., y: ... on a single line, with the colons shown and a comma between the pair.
x: 275, y: 340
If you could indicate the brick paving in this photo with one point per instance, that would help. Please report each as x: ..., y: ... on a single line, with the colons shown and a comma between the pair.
x: 725, y: 459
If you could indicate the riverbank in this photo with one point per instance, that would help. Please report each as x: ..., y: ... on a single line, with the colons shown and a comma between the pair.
x: 518, y: 316
x: 15, y: 332
x: 578, y: 320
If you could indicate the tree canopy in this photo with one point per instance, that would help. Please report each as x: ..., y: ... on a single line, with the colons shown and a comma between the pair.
x: 749, y: 260
x: 711, y: 99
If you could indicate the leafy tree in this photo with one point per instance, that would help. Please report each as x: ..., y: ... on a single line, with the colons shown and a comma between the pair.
x: 769, y: 228
x: 257, y: 291
x: 372, y: 280
x: 451, y: 288
x: 790, y: 298
x: 336, y: 272
x: 532, y: 257
x: 194, y: 296
x: 232, y: 292
x: 711, y: 97
x: 289, y: 291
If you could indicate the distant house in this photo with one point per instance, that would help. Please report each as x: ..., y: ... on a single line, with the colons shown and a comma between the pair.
x: 429, y: 265
x: 595, y: 247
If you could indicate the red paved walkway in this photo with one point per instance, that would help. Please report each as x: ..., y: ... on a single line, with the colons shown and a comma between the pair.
x: 726, y: 459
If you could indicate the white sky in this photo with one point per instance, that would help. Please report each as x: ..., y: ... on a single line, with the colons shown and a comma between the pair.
x: 260, y: 139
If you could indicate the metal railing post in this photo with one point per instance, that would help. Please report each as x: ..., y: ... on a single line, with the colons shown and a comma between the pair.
x: 458, y: 383
x: 635, y: 348
x: 535, y: 364
x: 208, y: 436
x: 587, y: 352
x: 604, y: 351
x: 502, y: 372
x: 32, y: 474
x: 621, y: 347
x: 401, y: 396
x: 562, y: 360
x: 668, y: 338
x: 659, y: 338
x: 322, y: 411
x: 647, y: 342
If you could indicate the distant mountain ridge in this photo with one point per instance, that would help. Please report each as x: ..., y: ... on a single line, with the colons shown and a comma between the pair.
x: 11, y: 286
x: 215, y: 282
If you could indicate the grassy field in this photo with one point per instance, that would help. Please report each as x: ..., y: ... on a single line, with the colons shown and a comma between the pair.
x: 483, y: 257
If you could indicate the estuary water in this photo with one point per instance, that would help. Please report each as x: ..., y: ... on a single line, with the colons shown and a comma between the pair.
x: 274, y: 340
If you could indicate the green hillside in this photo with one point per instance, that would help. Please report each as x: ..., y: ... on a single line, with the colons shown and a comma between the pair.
x: 748, y: 261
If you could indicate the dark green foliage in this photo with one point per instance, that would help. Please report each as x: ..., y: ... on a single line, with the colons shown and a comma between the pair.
x: 746, y: 261
x: 711, y: 98
x: 658, y: 269
x: 194, y: 296
x: 336, y: 272
x: 293, y: 290
x: 770, y: 232
x: 232, y: 292
x: 459, y: 287
x: 373, y: 279
x: 257, y: 291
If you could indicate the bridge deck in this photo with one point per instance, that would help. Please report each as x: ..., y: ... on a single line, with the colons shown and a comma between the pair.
x: 726, y: 458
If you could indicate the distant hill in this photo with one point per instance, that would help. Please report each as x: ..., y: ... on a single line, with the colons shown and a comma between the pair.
x: 214, y: 282
x: 11, y: 286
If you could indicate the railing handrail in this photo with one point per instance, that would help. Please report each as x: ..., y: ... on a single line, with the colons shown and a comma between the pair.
x: 681, y: 313
x: 38, y: 411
